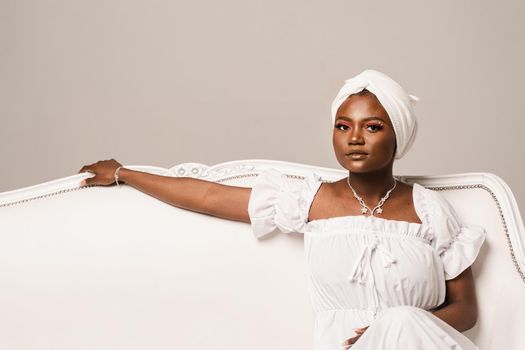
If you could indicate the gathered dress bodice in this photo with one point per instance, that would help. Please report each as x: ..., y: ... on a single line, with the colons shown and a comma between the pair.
x: 360, y: 266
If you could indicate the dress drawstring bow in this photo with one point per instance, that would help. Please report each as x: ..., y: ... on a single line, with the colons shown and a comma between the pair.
x: 363, y: 267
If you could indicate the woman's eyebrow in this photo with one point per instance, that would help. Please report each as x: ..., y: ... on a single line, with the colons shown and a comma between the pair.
x: 364, y: 119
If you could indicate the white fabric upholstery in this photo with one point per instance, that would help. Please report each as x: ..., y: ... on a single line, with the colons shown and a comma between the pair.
x: 113, y: 268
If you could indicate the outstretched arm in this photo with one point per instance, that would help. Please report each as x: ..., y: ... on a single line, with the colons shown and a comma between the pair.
x: 228, y: 202
x: 460, y: 309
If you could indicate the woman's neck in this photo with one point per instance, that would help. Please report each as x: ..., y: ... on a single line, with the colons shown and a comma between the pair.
x: 372, y: 186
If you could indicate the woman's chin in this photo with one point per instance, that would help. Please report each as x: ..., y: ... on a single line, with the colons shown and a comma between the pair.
x: 363, y: 168
x: 358, y: 166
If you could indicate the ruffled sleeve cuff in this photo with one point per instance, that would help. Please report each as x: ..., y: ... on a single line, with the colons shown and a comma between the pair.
x: 280, y: 204
x: 455, y: 242
x: 460, y: 252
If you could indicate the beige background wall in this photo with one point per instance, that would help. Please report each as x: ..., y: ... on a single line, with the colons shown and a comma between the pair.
x: 164, y: 82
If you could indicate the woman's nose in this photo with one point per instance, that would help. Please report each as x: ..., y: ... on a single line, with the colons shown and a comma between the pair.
x: 355, y: 137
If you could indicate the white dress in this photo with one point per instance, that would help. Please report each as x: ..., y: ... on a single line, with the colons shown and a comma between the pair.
x: 369, y: 271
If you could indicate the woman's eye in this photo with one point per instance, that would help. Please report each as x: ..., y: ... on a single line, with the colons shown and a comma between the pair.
x: 338, y: 126
x: 374, y: 127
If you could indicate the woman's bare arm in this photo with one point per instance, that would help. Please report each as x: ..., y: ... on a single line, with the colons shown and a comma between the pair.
x: 460, y: 309
x: 228, y: 202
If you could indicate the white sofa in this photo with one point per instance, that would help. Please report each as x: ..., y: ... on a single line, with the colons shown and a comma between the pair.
x: 113, y: 268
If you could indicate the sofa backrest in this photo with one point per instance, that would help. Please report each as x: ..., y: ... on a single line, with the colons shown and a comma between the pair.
x: 113, y: 268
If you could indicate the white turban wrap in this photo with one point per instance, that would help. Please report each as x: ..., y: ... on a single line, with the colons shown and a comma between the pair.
x: 396, y: 102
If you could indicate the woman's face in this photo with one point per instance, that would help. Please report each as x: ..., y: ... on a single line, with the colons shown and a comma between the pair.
x: 362, y: 125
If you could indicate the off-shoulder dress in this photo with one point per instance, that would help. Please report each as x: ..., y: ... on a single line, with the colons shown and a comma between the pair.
x: 370, y: 271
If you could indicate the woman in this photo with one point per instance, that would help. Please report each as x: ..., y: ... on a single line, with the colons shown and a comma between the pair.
x: 389, y: 262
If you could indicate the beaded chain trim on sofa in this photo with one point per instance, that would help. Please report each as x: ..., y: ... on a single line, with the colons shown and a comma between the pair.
x: 437, y: 188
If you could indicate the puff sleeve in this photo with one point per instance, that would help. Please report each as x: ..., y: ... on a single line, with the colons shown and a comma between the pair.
x: 457, y: 243
x: 278, y: 203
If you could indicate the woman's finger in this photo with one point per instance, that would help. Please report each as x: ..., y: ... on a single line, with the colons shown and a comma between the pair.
x: 351, y: 341
x: 360, y: 330
x: 90, y: 180
x: 354, y: 339
x: 86, y: 168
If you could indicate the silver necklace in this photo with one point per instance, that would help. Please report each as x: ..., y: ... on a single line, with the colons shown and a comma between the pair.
x: 378, y: 208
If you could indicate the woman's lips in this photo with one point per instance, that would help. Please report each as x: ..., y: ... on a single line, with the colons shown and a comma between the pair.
x: 357, y: 155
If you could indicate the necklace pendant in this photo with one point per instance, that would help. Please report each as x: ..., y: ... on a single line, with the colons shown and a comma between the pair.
x: 364, y: 207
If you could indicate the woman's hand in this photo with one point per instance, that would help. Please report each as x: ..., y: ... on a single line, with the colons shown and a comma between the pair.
x: 104, y: 171
x: 350, y: 341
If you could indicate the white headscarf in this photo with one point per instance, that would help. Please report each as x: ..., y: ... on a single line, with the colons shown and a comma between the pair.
x: 396, y: 102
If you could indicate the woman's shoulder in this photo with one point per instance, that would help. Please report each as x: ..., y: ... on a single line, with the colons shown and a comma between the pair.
x: 430, y: 201
x: 281, y: 200
x: 323, y: 201
x: 435, y: 210
x: 404, y: 205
